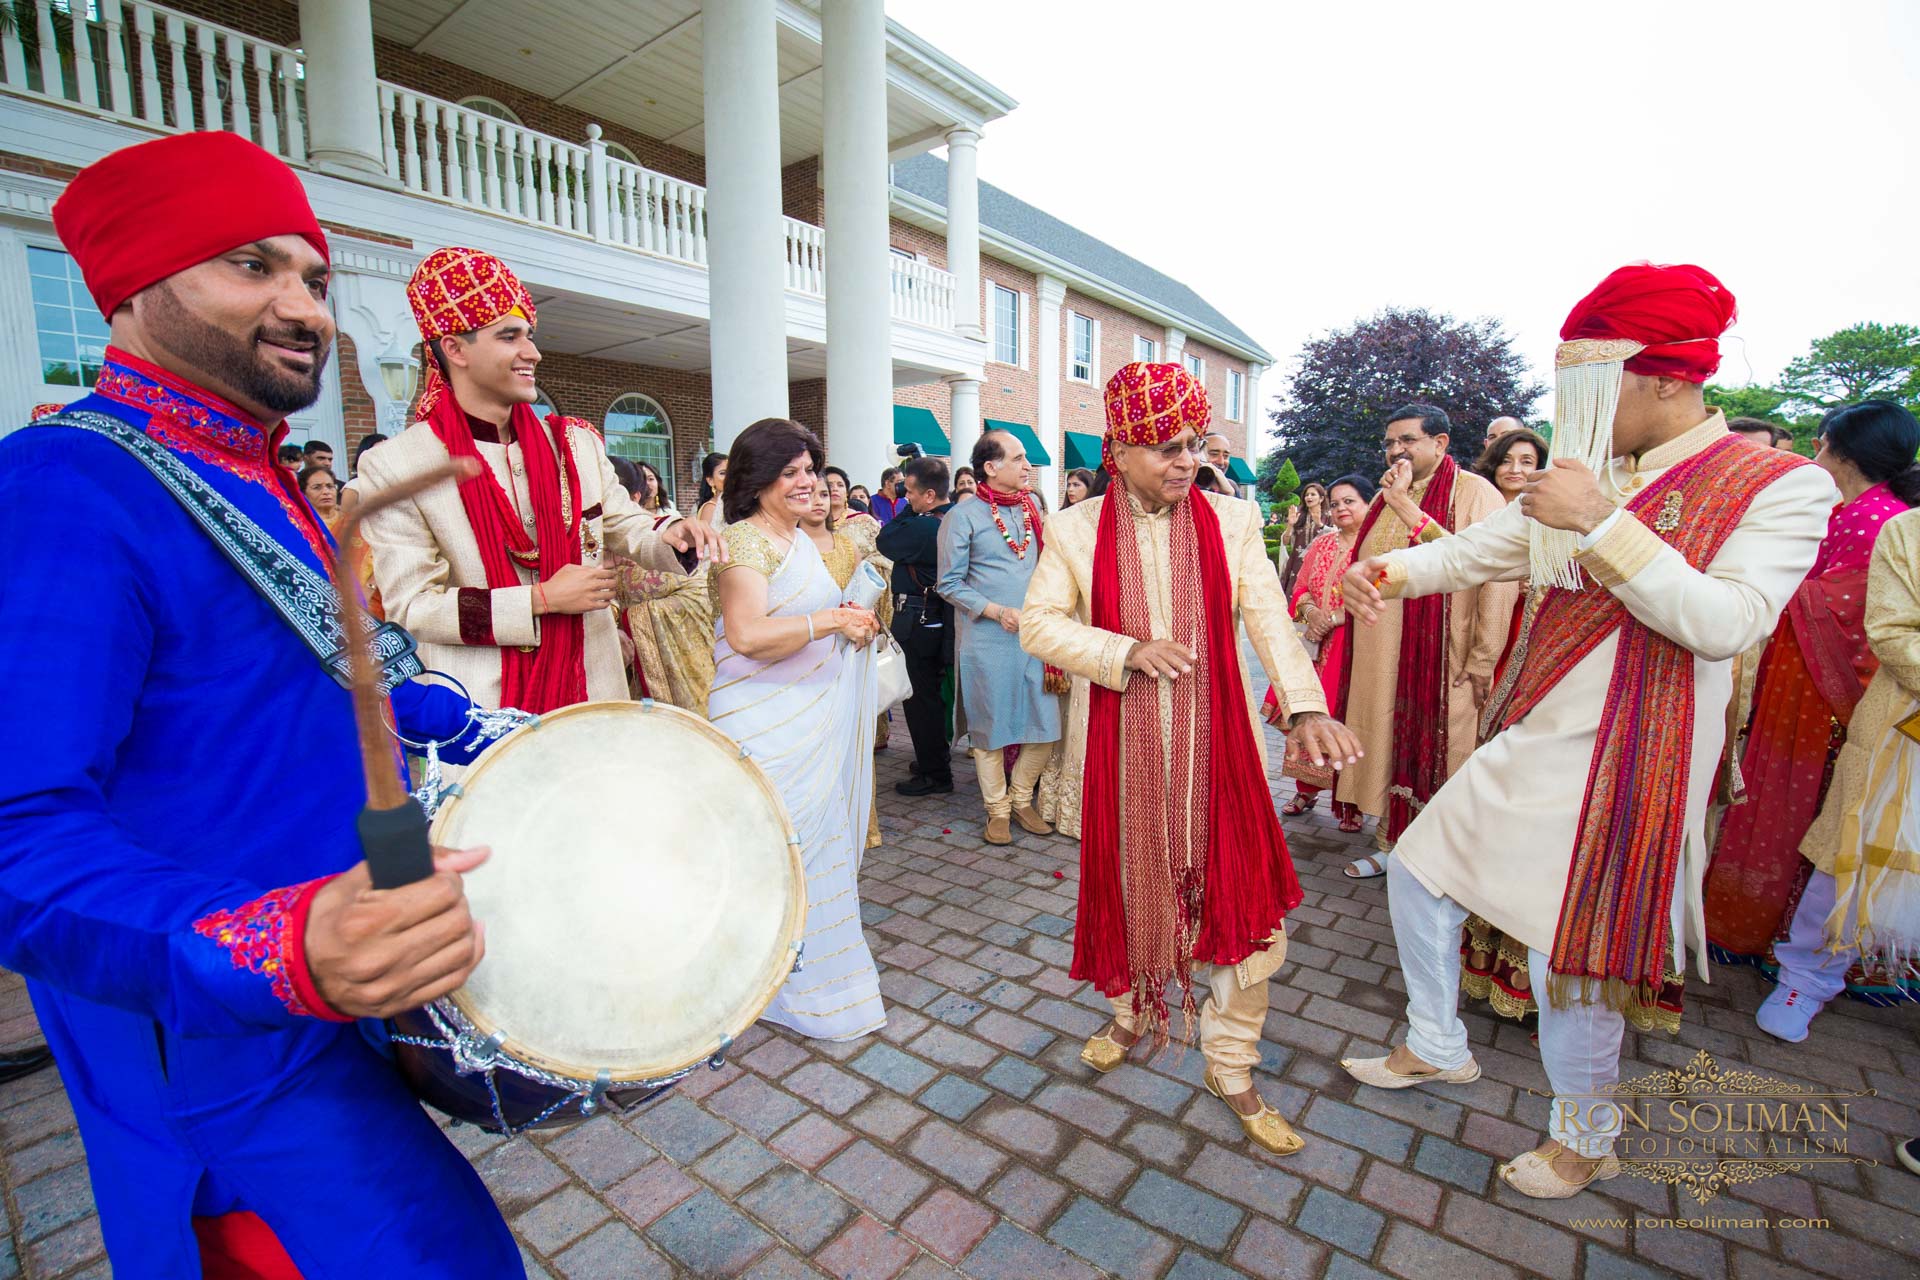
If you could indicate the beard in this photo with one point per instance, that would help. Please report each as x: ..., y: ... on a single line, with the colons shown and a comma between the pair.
x: 235, y: 362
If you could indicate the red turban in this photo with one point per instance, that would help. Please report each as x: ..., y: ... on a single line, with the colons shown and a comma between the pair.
x: 1151, y: 404
x: 138, y: 215
x: 459, y: 290
x: 1678, y: 312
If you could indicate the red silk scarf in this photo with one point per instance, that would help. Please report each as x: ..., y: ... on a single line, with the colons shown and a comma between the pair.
x: 1615, y: 916
x: 1053, y: 679
x: 1420, y: 685
x: 552, y: 673
x: 1209, y: 881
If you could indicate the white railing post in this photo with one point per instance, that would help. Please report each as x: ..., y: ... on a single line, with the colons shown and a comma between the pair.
x: 203, y: 41
x: 119, y: 88
x: 388, y: 151
x: 290, y: 107
x: 50, y: 82
x: 263, y: 94
x: 177, y: 62
x: 489, y: 131
x: 546, y: 154
x: 475, y: 193
x: 150, y: 105
x: 237, y: 109
x: 430, y: 135
x: 86, y: 85
x: 600, y: 203
x: 410, y: 145
x: 577, y: 161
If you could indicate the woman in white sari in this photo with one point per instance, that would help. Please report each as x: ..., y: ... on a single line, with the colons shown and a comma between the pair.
x: 794, y: 685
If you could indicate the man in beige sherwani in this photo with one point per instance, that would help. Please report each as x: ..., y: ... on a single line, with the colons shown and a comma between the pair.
x: 502, y: 579
x: 1578, y: 828
x: 1184, y: 871
x: 1445, y: 720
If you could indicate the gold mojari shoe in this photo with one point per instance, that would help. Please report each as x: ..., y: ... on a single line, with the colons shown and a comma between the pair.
x: 1265, y: 1128
x: 1532, y: 1174
x: 1103, y: 1053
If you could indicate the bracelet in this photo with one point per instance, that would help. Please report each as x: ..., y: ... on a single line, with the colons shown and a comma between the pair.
x: 540, y: 589
x: 809, y: 628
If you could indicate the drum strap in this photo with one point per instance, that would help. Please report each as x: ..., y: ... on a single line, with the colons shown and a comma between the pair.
x: 300, y: 594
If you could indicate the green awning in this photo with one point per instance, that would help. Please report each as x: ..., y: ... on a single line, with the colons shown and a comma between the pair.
x: 1239, y: 472
x: 913, y: 425
x: 1083, y: 449
x: 1036, y: 453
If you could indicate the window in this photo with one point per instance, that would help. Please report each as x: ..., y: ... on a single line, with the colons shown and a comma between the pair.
x: 1197, y: 367
x: 1234, y: 380
x: 637, y: 429
x: 1080, y: 346
x: 898, y: 252
x: 1006, y: 325
x: 71, y: 332
x: 491, y: 107
x: 543, y: 404
x: 1145, y: 349
x: 617, y: 152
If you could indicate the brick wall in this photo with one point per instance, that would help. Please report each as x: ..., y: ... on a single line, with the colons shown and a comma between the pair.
x: 583, y: 387
x: 800, y: 194
x: 356, y: 406
x: 1215, y: 378
x: 807, y: 405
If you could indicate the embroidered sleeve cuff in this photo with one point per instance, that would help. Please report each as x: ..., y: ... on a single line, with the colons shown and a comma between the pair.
x: 267, y: 937
x: 1394, y: 583
x: 1298, y: 700
x: 1621, y: 552
x: 475, y: 606
x: 512, y: 616
x: 1429, y: 531
x: 1113, y: 662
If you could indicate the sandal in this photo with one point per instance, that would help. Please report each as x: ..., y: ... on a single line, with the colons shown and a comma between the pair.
x: 1351, y: 824
x: 1369, y: 867
x: 1299, y: 804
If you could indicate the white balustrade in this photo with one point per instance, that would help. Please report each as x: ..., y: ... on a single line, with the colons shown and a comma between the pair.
x: 140, y: 62
x: 922, y: 293
x: 806, y: 258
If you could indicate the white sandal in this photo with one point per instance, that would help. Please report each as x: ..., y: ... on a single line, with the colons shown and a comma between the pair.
x: 1372, y: 864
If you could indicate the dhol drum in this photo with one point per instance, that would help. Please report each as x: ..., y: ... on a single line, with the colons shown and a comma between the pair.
x: 644, y: 902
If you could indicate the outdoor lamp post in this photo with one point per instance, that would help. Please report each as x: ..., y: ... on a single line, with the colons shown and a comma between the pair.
x: 400, y: 373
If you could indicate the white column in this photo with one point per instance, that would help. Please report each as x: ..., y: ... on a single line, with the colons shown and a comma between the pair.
x: 1256, y: 422
x: 20, y: 383
x: 963, y: 229
x: 859, y: 271
x: 343, y: 109
x: 1176, y: 346
x: 746, y: 229
x: 1052, y: 293
x: 964, y: 418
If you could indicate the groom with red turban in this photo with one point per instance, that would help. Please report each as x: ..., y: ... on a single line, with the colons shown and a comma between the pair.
x: 1183, y: 869
x: 1660, y: 545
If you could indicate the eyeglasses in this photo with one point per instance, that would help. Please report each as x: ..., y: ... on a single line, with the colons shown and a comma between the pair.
x: 1194, y: 449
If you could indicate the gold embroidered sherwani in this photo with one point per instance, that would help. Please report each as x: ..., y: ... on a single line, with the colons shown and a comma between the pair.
x: 1498, y: 837
x: 1056, y: 628
x: 1478, y: 624
x: 434, y: 583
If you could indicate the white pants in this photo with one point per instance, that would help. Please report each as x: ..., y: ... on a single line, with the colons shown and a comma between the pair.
x: 1805, y: 963
x: 1579, y: 1046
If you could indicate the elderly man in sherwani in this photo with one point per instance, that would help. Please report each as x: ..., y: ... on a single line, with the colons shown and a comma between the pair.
x: 1663, y: 545
x: 1184, y: 872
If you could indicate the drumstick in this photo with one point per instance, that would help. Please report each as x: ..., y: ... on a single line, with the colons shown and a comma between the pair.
x: 392, y: 826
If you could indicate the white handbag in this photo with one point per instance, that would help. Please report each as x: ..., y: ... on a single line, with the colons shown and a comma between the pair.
x: 890, y: 664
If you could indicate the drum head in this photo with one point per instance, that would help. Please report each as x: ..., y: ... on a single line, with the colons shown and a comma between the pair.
x: 643, y: 897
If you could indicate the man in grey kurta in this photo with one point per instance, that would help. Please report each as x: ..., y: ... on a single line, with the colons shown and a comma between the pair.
x: 988, y: 549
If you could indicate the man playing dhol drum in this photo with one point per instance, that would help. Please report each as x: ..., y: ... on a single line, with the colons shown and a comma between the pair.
x: 196, y: 935
x: 501, y: 578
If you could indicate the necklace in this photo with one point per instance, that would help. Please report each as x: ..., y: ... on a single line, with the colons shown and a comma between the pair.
x: 1018, y: 548
x: 785, y: 541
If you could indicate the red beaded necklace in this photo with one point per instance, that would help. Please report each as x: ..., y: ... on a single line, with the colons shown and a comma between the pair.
x: 1018, y: 548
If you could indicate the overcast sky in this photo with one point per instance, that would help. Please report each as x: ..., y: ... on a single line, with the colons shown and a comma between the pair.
x: 1304, y: 164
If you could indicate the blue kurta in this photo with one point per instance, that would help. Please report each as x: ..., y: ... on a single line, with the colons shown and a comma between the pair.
x: 1003, y: 689
x: 174, y: 752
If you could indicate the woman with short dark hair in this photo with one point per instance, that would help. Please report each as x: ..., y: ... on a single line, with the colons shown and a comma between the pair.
x: 794, y: 684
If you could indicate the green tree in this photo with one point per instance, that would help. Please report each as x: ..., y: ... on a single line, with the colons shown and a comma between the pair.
x: 1286, y: 483
x: 1748, y: 402
x: 1856, y: 363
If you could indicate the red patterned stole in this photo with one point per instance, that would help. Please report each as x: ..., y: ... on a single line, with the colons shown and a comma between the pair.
x: 1209, y: 880
x: 1615, y: 916
x: 1420, y: 684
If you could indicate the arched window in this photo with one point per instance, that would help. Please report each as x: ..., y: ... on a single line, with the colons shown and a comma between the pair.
x: 492, y: 107
x: 617, y: 152
x: 543, y: 404
x: 637, y: 428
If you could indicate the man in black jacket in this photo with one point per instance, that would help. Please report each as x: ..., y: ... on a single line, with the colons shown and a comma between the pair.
x: 922, y: 621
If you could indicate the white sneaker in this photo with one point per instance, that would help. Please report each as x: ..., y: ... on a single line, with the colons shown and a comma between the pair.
x: 1787, y: 1013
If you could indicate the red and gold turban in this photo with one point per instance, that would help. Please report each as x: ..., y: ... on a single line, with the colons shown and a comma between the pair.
x: 1151, y: 404
x: 1675, y: 313
x: 142, y: 213
x: 459, y: 290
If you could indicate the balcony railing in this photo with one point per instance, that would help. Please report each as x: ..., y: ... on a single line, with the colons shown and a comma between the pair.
x: 141, y: 63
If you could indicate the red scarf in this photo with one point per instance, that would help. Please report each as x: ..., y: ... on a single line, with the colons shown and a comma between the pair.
x: 1053, y: 679
x: 552, y: 673
x: 1420, y: 688
x: 1613, y: 933
x: 1213, y: 880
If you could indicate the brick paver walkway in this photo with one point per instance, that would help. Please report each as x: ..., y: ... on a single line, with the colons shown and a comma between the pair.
x: 969, y: 1137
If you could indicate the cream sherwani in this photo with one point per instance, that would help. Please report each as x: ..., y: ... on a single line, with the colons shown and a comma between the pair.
x: 1056, y: 627
x: 1498, y: 838
x: 434, y: 584
x: 1478, y: 624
